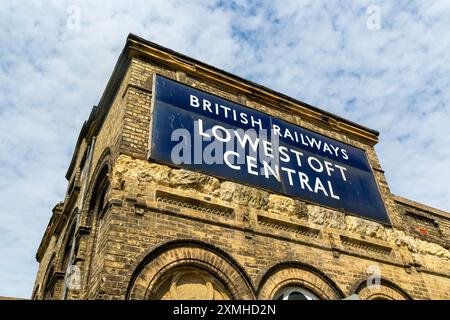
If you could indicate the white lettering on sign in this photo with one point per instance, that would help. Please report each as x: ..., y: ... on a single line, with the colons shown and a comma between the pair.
x: 262, y: 157
x: 243, y: 118
x: 198, y: 131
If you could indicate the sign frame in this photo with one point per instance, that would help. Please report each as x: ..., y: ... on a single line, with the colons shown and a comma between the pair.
x: 150, y: 157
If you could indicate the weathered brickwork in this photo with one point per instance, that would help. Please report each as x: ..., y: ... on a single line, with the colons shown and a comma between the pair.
x: 141, y: 230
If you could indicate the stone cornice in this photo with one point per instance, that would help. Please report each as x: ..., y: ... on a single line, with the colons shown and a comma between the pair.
x: 49, y: 231
x: 423, y: 207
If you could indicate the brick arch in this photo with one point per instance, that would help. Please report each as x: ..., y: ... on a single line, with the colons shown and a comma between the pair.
x: 386, y: 290
x: 181, y: 253
x: 105, y: 159
x: 99, y: 177
x: 90, y: 216
x: 46, y: 283
x: 69, y: 232
x: 297, y: 274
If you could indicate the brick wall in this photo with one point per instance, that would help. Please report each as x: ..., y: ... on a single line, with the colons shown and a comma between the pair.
x: 155, y: 218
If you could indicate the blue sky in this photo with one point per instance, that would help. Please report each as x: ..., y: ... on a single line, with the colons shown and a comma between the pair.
x: 391, y: 74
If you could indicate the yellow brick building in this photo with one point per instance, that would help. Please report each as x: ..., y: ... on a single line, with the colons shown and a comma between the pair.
x: 132, y: 228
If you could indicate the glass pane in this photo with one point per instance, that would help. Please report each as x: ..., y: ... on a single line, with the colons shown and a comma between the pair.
x: 297, y: 296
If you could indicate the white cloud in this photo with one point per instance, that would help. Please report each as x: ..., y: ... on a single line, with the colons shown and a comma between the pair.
x: 394, y: 80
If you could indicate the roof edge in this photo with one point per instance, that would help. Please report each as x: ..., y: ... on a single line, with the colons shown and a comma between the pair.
x: 421, y: 206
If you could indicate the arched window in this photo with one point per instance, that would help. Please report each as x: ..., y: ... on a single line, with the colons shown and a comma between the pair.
x: 188, y: 269
x: 67, y: 248
x: 95, y: 213
x: 99, y: 192
x: 49, y: 287
x: 297, y: 281
x: 386, y: 290
x: 69, y: 254
x: 295, y: 293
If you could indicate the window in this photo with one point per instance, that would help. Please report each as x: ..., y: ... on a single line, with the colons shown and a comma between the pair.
x: 295, y: 293
x: 97, y: 202
x: 49, y: 288
x: 67, y: 248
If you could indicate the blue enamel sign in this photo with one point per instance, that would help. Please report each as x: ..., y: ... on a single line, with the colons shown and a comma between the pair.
x: 199, y: 131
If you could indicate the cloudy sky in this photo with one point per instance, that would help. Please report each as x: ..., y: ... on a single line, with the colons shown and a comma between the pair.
x: 384, y: 64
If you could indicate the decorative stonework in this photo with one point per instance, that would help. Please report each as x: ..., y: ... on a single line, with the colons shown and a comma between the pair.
x: 189, y: 180
x: 287, y: 226
x: 365, y: 227
x: 243, y: 195
x: 194, y: 204
x: 127, y: 170
x: 151, y: 173
x: 326, y: 217
x: 365, y: 245
x: 418, y: 246
x: 286, y: 206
